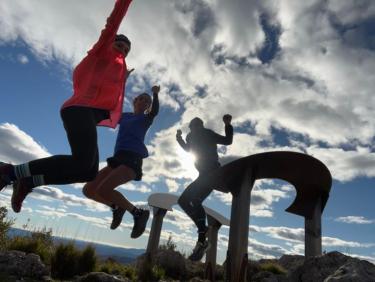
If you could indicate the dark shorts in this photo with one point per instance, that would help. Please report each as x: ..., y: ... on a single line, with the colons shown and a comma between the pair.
x: 129, y: 159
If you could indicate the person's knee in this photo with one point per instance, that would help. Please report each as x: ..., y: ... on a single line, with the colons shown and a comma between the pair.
x: 89, y: 193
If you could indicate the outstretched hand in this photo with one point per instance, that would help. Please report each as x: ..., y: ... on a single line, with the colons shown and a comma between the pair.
x: 155, y: 89
x: 227, y: 119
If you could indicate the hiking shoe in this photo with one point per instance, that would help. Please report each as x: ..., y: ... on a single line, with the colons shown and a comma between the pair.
x: 117, y: 215
x: 20, y: 191
x: 4, y: 178
x: 140, y: 221
x: 199, y: 250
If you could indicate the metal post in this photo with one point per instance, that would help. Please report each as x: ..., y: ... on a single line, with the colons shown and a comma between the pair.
x: 157, y: 222
x: 239, y: 230
x: 313, y: 232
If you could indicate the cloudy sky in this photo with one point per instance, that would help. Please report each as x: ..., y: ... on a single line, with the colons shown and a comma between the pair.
x: 295, y: 75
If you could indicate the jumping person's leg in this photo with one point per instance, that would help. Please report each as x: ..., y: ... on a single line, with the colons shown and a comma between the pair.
x: 191, y: 202
x: 81, y: 166
x: 90, y: 188
x: 106, y: 190
x: 116, y: 177
x: 80, y: 125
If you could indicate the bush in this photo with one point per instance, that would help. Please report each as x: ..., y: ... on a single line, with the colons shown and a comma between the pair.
x: 68, y: 261
x: 169, y: 245
x: 147, y: 271
x: 112, y: 267
x: 64, y: 262
x: 40, y: 243
x: 272, y: 267
x: 87, y: 260
x: 5, y: 224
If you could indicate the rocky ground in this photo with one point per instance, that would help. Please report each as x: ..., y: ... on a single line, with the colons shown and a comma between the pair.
x: 334, y: 266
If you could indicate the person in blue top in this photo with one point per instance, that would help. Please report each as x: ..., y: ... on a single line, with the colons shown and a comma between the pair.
x: 126, y: 164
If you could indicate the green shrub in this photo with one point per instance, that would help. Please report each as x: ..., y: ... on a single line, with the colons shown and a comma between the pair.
x: 112, y: 267
x: 40, y: 243
x: 68, y: 261
x: 273, y: 267
x: 64, y: 262
x: 147, y: 271
x: 169, y: 245
x: 158, y: 273
x: 87, y: 260
x: 5, y: 224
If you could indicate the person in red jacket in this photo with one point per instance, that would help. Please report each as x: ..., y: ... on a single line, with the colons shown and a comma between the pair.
x: 99, y: 85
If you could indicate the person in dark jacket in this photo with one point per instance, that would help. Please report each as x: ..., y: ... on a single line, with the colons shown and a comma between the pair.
x: 203, y: 143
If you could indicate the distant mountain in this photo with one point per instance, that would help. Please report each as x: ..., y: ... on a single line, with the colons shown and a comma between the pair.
x: 122, y: 255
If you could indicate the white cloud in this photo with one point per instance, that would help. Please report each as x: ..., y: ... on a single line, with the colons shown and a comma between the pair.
x: 23, y: 59
x: 261, y: 200
x: 17, y: 146
x: 52, y: 193
x: 296, y: 235
x: 172, y: 185
x: 354, y: 219
x: 180, y: 220
x: 345, y: 165
x: 135, y: 188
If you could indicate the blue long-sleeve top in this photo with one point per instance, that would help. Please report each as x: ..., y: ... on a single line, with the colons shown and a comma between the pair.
x: 133, y: 129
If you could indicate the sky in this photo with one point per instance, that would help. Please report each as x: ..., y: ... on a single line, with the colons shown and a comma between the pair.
x: 295, y: 75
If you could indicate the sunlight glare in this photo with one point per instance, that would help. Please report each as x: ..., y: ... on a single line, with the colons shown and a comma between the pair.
x: 187, y: 161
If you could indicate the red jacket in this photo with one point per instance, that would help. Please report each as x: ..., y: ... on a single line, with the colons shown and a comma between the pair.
x: 99, y: 79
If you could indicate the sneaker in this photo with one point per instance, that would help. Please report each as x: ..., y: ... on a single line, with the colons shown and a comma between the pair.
x: 20, y: 191
x: 117, y: 215
x: 4, y: 178
x: 199, y: 250
x: 140, y: 221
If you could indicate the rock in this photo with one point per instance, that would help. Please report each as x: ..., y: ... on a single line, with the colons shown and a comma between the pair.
x: 353, y: 271
x: 291, y: 262
x: 100, y: 277
x: 22, y: 265
x: 318, y: 268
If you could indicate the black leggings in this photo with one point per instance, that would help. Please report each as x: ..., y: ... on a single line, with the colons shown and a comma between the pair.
x: 83, y: 164
x: 192, y: 198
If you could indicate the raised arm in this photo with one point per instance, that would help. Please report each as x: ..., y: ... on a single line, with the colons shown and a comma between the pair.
x: 155, y: 101
x: 228, y: 138
x: 184, y: 145
x: 108, y: 34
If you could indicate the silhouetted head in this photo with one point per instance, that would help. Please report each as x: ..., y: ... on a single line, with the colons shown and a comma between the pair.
x: 141, y: 103
x: 195, y: 123
x: 122, y: 44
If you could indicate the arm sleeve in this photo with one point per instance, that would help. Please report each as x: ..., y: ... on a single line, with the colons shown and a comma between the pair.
x: 155, y: 106
x: 108, y: 34
x: 224, y: 140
